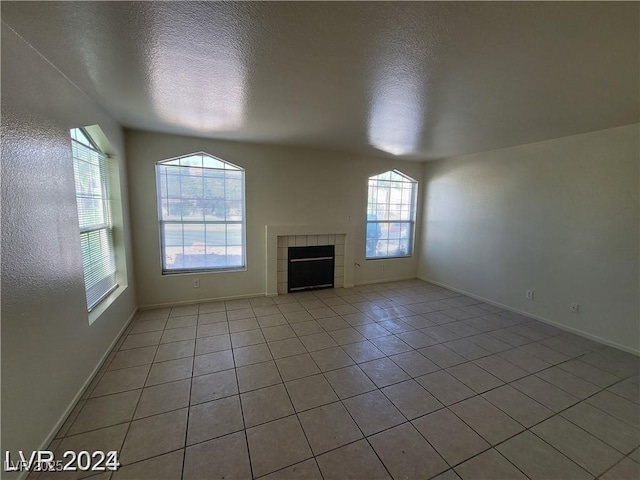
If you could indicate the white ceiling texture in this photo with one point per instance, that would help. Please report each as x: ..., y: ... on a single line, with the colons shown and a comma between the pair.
x: 421, y: 80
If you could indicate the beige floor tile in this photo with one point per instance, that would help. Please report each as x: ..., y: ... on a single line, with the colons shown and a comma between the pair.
x: 105, y: 411
x: 175, y: 350
x: 363, y: 352
x: 411, y: 399
x: 349, y: 381
x: 181, y: 322
x: 276, y: 445
x: 346, y: 336
x: 538, y: 460
x: 442, y: 356
x: 332, y: 358
x: 487, y: 420
x: 615, y: 432
x: 212, y: 317
x: 214, y: 419
x: 265, y: 405
x: 141, y: 340
x: 629, y: 389
x: 618, y: 407
x: 297, y: 316
x: 243, y: 325
x: 500, y: 368
x: 524, y: 360
x: 170, y: 371
x: 446, y: 388
x: 240, y: 314
x: 163, y: 398
x: 153, y: 314
x: 280, y: 332
x: 148, y: 326
x: 247, y: 338
x: 213, y: 344
x: 222, y: 458
x: 373, y: 412
x: 104, y: 440
x: 318, y: 341
x: 272, y: 320
x: 383, y: 372
x: 213, y: 386
x: 164, y: 467
x: 183, y: 310
x: 584, y: 449
x: 154, y: 436
x: 474, y: 377
x: 449, y: 475
x: 390, y: 345
x: 371, y: 330
x: 258, y: 375
x: 354, y: 461
x: 589, y: 373
x: 466, y: 348
x: 307, y: 470
x: 286, y: 348
x: 414, y: 363
x: 627, y: 469
x: 212, y: 329
x: 133, y: 358
x: 406, y: 454
x: 297, y: 366
x: 116, y: 381
x: 489, y: 465
x: 545, y: 393
x: 178, y: 334
x: 265, y: 310
x: 213, y: 362
x: 517, y: 405
x: 251, y: 354
x: 449, y: 435
x: 417, y: 339
x: 237, y: 304
x: 328, y: 427
x: 568, y: 382
x: 310, y: 392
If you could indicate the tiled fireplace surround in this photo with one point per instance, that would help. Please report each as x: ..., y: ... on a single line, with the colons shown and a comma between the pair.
x: 280, y: 238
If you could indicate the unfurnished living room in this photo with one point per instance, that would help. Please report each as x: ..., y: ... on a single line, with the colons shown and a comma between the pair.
x: 320, y: 240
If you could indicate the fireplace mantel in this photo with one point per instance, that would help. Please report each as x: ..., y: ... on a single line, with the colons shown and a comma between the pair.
x: 275, y: 231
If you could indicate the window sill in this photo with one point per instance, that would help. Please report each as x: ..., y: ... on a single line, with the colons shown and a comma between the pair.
x: 199, y: 272
x: 106, y: 302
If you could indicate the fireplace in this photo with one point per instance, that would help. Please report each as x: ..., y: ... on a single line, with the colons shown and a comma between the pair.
x: 311, y: 267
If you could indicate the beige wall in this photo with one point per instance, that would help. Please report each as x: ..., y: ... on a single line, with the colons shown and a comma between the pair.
x: 284, y: 186
x: 558, y: 217
x: 49, y: 350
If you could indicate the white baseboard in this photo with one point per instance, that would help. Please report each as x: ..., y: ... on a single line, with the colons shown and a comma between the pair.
x: 78, y: 395
x: 205, y: 300
x: 561, y: 326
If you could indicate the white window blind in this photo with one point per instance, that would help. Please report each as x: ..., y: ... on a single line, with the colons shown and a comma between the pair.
x: 391, y: 213
x: 96, y: 235
x: 201, y: 211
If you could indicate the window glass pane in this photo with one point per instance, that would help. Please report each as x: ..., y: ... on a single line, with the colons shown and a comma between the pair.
x: 207, y: 201
x: 391, y: 203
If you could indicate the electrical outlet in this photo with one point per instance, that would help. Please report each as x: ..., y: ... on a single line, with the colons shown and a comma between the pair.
x: 196, y: 283
x: 529, y: 294
x: 574, y: 307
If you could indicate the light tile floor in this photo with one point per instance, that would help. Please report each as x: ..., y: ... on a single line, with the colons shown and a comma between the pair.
x: 399, y: 380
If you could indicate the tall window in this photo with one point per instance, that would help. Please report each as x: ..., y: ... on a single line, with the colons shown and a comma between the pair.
x: 201, y: 213
x: 96, y: 232
x: 391, y: 215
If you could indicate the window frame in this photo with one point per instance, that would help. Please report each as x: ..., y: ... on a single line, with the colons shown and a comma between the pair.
x: 411, y: 222
x: 161, y: 221
x: 107, y: 225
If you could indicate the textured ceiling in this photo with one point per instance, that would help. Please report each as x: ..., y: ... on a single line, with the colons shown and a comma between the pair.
x: 419, y: 80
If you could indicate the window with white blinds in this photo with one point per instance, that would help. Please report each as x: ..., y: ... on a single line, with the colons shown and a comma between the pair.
x: 96, y: 235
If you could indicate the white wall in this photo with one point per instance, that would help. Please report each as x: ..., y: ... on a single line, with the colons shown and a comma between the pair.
x: 284, y: 186
x: 49, y: 350
x: 559, y: 217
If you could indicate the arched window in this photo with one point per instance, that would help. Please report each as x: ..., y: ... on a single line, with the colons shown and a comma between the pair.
x: 391, y: 215
x: 202, y: 214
